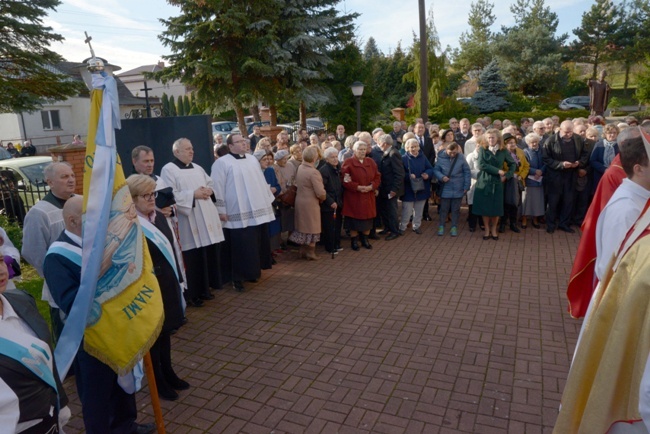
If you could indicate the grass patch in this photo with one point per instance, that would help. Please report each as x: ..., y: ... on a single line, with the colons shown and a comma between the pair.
x: 33, y: 284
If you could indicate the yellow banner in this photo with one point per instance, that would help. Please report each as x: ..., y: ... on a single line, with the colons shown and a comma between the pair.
x: 127, y: 310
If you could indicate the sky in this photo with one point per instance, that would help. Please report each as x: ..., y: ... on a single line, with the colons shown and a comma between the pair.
x: 125, y: 32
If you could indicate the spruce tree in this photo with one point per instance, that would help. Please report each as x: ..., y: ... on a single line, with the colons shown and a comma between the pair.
x: 474, y: 53
x: 172, y: 107
x: 186, y: 105
x: 371, y: 50
x: 27, y: 79
x: 493, y: 91
x: 596, y: 32
x: 180, y: 108
x: 165, y: 105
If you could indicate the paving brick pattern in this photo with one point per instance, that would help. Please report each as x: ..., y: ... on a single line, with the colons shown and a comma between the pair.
x: 422, y: 334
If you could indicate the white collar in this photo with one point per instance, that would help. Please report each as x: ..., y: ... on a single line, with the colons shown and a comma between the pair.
x: 73, y: 237
x: 7, y: 310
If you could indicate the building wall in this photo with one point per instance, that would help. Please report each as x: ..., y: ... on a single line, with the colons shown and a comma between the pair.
x: 10, y: 128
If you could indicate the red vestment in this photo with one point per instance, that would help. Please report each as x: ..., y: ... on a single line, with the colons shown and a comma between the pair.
x: 582, y: 282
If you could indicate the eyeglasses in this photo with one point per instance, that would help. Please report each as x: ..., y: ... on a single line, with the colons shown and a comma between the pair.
x: 149, y: 196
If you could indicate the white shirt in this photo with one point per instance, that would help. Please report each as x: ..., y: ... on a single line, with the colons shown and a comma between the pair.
x: 616, y: 219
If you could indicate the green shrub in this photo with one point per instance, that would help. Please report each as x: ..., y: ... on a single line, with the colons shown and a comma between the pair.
x: 14, y: 231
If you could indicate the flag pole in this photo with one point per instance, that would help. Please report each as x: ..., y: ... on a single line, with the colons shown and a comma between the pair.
x: 153, y: 391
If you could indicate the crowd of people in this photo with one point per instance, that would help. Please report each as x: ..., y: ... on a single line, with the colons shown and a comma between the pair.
x: 208, y: 230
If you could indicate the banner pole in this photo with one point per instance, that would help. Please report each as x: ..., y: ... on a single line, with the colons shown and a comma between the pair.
x: 153, y: 391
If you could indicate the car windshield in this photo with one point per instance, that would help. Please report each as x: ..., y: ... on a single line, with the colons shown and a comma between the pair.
x: 34, y: 172
x: 4, y: 154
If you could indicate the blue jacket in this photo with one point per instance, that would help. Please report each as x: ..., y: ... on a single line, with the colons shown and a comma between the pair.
x: 416, y: 165
x: 536, y: 163
x: 459, y: 179
x: 597, y: 162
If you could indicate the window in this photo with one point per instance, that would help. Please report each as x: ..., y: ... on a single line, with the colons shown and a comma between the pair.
x: 50, y: 119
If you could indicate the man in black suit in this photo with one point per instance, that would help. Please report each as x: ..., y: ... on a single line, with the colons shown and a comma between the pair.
x: 391, y: 168
x: 426, y: 144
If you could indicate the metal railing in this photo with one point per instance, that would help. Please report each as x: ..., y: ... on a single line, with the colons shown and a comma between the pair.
x: 16, y: 198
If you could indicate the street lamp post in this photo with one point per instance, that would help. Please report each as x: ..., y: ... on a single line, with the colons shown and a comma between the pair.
x: 357, y: 91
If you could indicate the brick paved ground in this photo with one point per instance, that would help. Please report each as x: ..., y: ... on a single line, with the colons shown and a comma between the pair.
x: 422, y: 334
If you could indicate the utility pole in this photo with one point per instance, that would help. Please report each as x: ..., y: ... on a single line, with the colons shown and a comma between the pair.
x: 424, y: 79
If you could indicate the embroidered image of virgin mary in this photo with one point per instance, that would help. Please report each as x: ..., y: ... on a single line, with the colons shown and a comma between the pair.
x: 122, y: 260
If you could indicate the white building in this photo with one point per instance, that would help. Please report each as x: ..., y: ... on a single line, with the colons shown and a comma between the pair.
x: 134, y: 80
x: 56, y: 123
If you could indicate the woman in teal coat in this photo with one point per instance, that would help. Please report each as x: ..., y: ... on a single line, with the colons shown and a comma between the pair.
x: 488, y: 197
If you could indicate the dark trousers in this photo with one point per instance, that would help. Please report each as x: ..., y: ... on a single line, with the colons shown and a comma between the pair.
x: 582, y: 201
x: 202, y: 270
x: 106, y: 407
x: 509, y: 213
x: 331, y: 230
x: 388, y: 211
x: 161, y: 359
x: 472, y: 218
x: 561, y: 193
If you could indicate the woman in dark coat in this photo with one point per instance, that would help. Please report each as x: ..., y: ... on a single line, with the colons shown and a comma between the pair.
x: 154, y: 224
x: 416, y: 165
x: 333, y: 203
x: 603, y: 153
x: 360, y: 180
x: 488, y: 196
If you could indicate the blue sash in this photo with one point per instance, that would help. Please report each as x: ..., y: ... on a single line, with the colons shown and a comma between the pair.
x: 154, y: 235
x: 23, y: 355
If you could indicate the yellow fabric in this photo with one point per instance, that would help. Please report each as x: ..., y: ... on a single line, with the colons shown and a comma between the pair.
x: 132, y: 315
x: 604, y: 380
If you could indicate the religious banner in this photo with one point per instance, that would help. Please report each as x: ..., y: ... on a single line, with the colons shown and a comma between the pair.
x: 118, y: 310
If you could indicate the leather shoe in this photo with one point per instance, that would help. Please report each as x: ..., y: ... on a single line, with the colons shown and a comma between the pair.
x: 417, y: 231
x: 550, y: 230
x: 207, y: 296
x: 195, y: 302
x: 515, y: 229
x: 472, y: 229
x: 566, y: 229
x: 145, y: 428
x: 178, y: 384
x: 238, y: 285
x: 354, y: 244
x: 391, y: 237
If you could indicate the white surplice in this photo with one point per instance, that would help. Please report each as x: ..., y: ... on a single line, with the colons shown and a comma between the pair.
x: 198, y: 220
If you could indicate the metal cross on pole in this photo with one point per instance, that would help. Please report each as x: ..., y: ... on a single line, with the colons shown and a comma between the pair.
x: 146, y: 98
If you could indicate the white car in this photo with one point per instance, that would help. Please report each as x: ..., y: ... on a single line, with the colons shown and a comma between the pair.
x: 575, y: 102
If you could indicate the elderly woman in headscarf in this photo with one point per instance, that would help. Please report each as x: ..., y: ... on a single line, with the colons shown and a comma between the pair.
x: 310, y: 193
x: 331, y: 207
x: 160, y: 241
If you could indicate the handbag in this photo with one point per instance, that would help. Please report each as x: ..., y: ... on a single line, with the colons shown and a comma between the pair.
x: 417, y: 184
x: 288, y: 198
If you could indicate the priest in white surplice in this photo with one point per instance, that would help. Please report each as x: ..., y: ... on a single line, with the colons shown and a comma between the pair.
x: 198, y: 222
x: 244, y: 203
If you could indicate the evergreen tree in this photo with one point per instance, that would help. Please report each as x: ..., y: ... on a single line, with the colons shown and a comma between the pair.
x: 172, y: 107
x: 165, y: 105
x: 632, y: 35
x: 195, y: 109
x: 474, y: 53
x: 27, y: 79
x: 493, y: 91
x: 186, y: 105
x: 642, y: 93
x: 529, y: 54
x: 180, y: 108
x: 371, y: 50
x: 595, y: 33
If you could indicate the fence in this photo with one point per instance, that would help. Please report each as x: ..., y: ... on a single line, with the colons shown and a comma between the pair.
x: 17, y: 199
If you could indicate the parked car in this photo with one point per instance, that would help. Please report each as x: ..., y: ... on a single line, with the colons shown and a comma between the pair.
x: 223, y: 127
x: 22, y: 182
x: 575, y: 102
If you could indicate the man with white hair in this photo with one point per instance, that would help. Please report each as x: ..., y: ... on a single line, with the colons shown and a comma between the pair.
x: 198, y: 222
x: 397, y: 134
x: 44, y: 223
x: 477, y: 131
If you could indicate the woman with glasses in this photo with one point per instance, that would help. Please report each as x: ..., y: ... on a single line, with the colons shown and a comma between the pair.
x: 159, y: 242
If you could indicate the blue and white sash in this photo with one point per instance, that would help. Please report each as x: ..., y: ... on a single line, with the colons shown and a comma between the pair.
x: 31, y: 352
x: 154, y: 235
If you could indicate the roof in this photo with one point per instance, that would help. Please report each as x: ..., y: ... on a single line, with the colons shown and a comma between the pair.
x: 140, y: 69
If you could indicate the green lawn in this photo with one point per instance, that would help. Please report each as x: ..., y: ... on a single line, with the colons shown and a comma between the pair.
x: 33, y: 284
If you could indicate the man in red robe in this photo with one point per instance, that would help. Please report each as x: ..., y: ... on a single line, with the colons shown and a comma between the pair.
x: 583, y: 280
